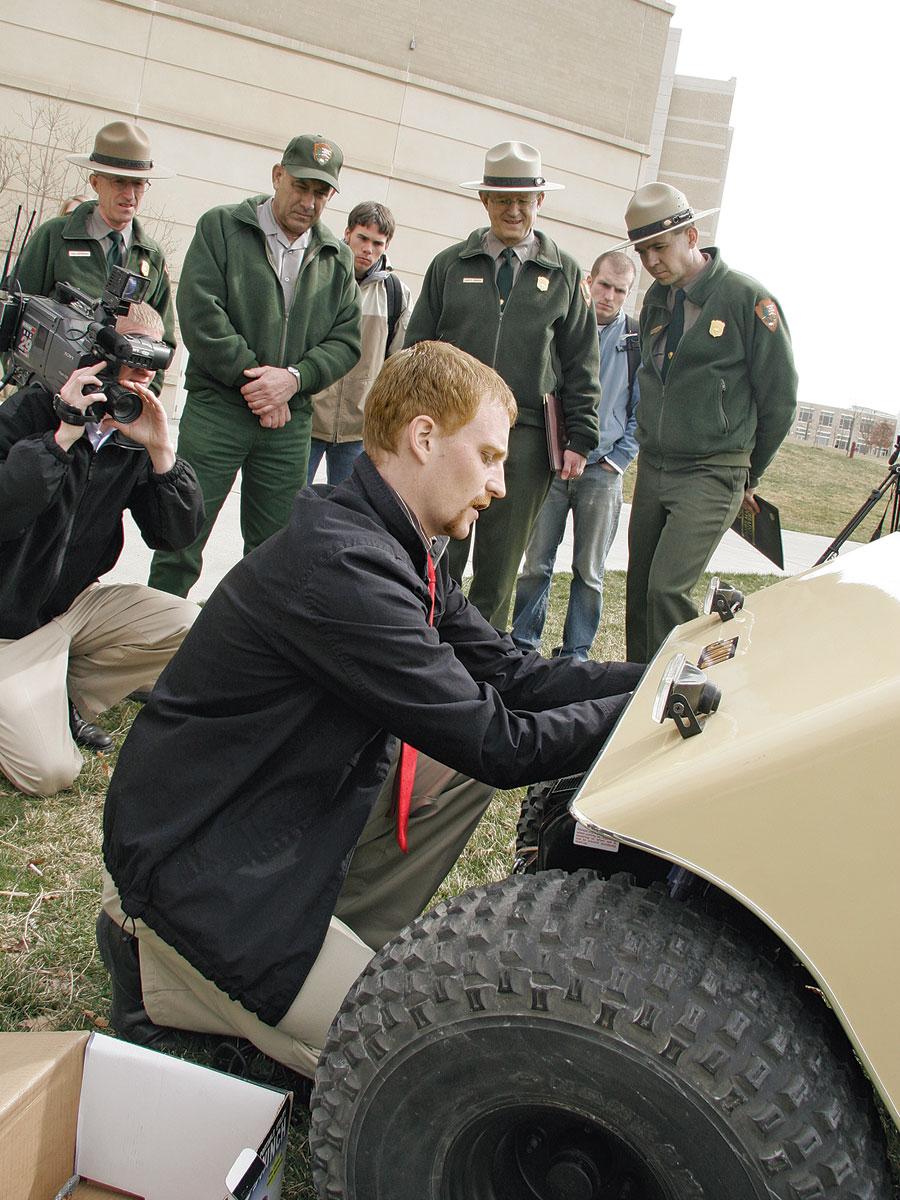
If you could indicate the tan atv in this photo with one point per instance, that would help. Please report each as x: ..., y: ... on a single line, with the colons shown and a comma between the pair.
x: 693, y: 994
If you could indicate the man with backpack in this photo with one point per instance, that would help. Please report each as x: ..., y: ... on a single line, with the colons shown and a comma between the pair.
x: 386, y: 305
x: 595, y: 497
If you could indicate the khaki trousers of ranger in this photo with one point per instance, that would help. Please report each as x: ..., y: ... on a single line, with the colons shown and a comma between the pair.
x: 383, y: 891
x: 111, y: 640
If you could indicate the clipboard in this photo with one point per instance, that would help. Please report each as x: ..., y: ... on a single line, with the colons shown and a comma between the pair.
x: 762, y: 530
x: 555, y: 426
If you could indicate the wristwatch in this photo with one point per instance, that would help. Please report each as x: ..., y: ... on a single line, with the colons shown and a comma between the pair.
x: 296, y: 375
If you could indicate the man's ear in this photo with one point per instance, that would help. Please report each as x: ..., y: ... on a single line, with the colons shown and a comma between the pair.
x: 420, y: 434
x: 277, y: 172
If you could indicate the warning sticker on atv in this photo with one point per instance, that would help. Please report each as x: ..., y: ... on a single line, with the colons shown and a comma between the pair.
x: 596, y: 841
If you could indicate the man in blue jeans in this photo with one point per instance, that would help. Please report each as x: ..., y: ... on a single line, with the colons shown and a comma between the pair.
x: 595, y: 498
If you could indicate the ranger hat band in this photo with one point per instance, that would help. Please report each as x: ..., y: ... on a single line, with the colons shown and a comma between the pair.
x: 122, y: 148
x: 512, y: 167
x: 658, y: 208
x: 312, y: 156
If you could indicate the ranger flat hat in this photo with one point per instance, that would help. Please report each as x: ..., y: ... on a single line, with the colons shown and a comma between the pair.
x: 657, y: 208
x: 122, y: 148
x: 312, y: 156
x: 512, y: 167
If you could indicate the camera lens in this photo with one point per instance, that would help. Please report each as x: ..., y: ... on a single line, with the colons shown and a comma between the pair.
x: 122, y: 404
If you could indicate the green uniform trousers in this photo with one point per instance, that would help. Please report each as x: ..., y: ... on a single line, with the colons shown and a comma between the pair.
x: 502, y: 531
x: 219, y: 439
x: 677, y: 520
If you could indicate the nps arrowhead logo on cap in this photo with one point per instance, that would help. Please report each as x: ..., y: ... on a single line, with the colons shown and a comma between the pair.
x: 312, y: 156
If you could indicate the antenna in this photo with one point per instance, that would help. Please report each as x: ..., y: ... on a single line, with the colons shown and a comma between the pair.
x: 12, y: 241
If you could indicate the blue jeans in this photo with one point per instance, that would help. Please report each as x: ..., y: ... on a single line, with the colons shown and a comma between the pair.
x: 596, y: 501
x: 339, y: 458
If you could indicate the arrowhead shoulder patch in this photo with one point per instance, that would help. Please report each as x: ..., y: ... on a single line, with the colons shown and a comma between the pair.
x: 767, y: 311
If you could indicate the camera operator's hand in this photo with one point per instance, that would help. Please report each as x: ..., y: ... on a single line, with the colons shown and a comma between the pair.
x: 150, y: 430
x: 67, y: 435
x: 267, y: 390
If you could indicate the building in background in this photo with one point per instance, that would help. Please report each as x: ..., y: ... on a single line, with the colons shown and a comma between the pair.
x: 866, y: 430
x: 413, y: 100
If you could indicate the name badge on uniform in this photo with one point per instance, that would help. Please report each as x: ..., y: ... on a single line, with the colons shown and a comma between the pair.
x: 716, y: 328
x: 79, y: 254
x: 542, y: 283
x: 472, y: 279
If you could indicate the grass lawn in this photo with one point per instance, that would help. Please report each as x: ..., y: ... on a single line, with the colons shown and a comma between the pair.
x: 51, y: 976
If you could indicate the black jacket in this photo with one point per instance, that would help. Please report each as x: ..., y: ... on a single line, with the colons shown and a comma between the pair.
x: 246, y: 781
x: 61, y: 511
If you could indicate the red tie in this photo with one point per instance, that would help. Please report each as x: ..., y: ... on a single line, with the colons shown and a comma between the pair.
x: 406, y: 771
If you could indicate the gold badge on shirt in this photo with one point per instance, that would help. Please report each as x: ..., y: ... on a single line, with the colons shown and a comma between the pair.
x: 716, y: 328
x: 542, y: 283
x: 145, y: 268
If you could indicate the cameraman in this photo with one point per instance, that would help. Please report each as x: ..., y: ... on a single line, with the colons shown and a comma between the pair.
x: 70, y: 647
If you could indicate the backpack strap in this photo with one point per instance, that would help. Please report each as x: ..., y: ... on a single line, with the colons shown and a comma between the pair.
x: 395, y: 304
x: 633, y: 350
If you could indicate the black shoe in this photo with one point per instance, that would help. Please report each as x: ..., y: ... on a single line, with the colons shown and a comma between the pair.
x: 88, y: 735
x: 128, y: 1016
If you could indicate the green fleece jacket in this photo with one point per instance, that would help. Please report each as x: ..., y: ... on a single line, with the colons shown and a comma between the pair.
x: 731, y: 388
x: 62, y: 251
x: 544, y: 341
x: 231, y: 307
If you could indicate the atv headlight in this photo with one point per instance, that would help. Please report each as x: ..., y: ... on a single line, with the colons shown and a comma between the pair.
x: 683, y: 693
x: 723, y: 599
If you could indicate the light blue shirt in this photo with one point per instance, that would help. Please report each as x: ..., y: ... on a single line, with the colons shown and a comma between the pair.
x: 617, y: 441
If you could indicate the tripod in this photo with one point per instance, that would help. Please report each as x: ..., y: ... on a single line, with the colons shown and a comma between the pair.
x: 891, y: 483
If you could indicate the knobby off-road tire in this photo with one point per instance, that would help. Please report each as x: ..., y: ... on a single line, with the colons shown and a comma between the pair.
x: 559, y: 1037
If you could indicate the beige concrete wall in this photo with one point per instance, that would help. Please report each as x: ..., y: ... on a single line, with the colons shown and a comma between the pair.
x: 694, y: 149
x: 537, y: 57
x: 221, y: 87
x: 697, y: 144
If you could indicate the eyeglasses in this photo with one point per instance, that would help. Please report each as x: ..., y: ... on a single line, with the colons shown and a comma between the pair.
x: 121, y: 184
x: 508, y: 201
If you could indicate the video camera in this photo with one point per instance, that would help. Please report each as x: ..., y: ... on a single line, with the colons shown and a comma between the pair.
x: 47, y: 339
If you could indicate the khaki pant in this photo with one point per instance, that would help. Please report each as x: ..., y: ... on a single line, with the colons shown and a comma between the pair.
x: 383, y: 891
x: 111, y: 640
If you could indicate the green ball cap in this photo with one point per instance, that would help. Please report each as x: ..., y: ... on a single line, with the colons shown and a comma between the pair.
x: 312, y: 156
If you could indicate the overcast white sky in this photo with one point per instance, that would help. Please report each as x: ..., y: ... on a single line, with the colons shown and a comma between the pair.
x: 811, y: 195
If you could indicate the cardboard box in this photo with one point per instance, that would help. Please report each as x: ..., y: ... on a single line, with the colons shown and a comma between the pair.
x: 134, y: 1121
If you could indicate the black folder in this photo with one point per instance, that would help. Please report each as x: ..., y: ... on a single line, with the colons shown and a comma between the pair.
x: 762, y: 530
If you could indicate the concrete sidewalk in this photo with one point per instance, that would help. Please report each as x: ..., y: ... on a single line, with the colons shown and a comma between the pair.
x: 801, y: 550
